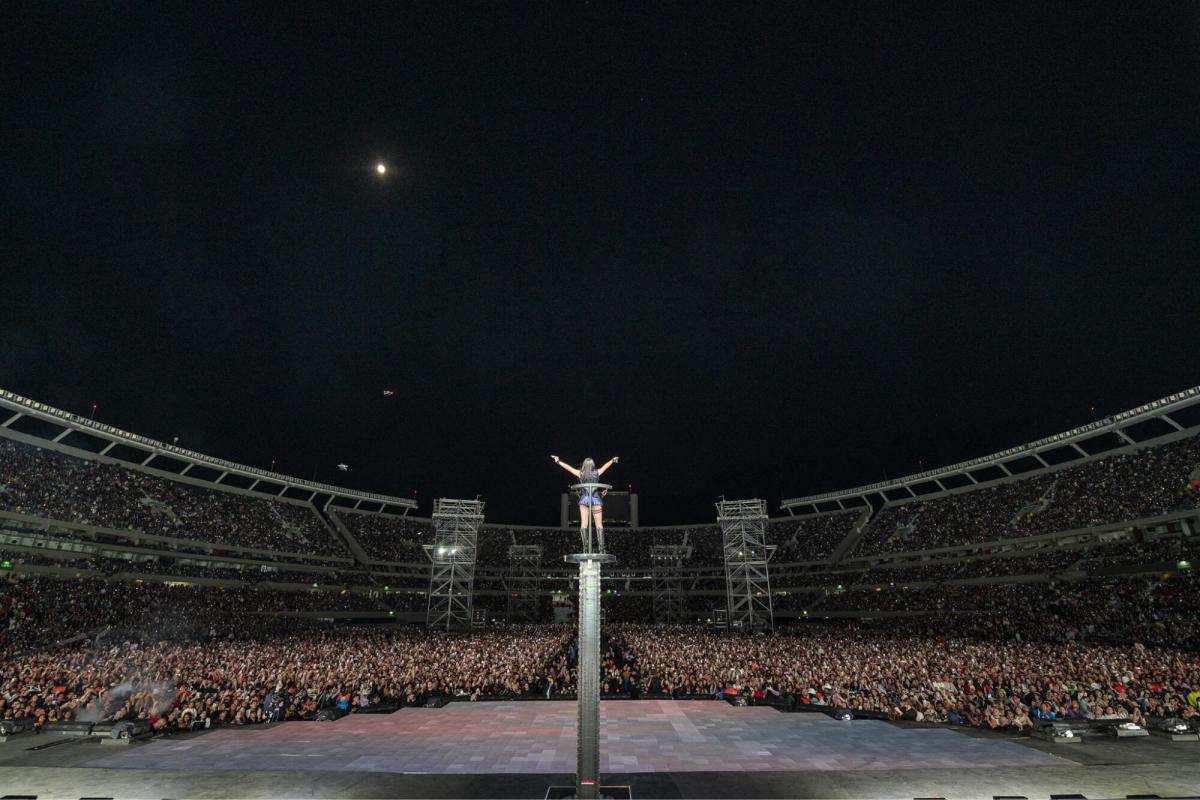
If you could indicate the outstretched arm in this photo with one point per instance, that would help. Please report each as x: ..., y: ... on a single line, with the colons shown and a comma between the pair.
x: 567, y: 467
x: 604, y: 469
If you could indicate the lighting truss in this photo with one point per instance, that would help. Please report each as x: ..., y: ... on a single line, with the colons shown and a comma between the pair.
x: 456, y: 525
x: 747, y: 578
x: 524, y: 581
x: 666, y: 568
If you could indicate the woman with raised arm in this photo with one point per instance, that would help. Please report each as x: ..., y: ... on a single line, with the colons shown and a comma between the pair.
x: 589, y: 500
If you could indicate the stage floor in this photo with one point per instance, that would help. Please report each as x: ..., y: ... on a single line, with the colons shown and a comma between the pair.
x: 660, y: 749
x: 539, y: 738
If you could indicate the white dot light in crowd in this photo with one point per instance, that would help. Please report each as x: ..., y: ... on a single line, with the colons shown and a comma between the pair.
x: 381, y: 168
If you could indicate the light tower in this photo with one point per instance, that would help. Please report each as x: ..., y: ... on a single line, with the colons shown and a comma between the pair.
x: 456, y: 525
x: 747, y: 579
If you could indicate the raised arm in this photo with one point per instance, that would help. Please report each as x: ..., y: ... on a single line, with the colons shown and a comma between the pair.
x: 566, y: 466
x: 604, y: 469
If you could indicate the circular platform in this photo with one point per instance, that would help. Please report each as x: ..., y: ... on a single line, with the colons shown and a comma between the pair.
x: 603, y: 558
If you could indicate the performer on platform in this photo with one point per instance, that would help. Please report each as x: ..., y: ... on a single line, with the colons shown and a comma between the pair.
x: 589, y: 500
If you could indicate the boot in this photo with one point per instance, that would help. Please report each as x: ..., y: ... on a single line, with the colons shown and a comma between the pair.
x: 600, y: 539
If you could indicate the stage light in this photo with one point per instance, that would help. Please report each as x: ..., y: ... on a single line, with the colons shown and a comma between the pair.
x: 1170, y: 725
x: 381, y: 168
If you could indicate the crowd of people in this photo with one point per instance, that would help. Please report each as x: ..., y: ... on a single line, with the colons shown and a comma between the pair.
x: 1121, y: 487
x: 180, y: 685
x: 389, y: 538
x: 1112, y: 609
x: 38, y: 611
x: 810, y: 538
x: 109, y: 563
x: 982, y: 683
x: 1000, y: 683
x: 1042, y: 562
x: 45, y: 483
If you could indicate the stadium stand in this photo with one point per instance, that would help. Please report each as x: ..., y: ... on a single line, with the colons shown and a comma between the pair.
x: 44, y: 483
x: 1121, y: 487
x: 387, y: 538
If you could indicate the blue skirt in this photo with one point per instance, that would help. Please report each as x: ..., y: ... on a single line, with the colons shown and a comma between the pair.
x: 590, y: 499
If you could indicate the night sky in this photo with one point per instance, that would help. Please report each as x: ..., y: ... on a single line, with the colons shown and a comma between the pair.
x: 751, y: 249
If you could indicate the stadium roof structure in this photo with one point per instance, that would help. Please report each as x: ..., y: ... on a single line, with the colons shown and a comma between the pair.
x: 1164, y: 418
x: 62, y: 429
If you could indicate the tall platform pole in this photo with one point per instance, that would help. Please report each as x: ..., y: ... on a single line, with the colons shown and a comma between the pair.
x: 587, y: 764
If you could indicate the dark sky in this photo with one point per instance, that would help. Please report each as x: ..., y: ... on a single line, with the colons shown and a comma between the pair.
x: 755, y: 250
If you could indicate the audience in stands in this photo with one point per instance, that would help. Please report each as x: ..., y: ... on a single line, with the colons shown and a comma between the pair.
x: 36, y: 611
x: 809, y: 538
x: 44, y: 483
x: 1114, y: 609
x: 389, y: 538
x: 1117, y: 488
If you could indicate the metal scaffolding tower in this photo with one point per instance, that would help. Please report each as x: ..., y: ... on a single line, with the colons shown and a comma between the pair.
x: 456, y: 525
x: 666, y: 568
x: 747, y: 580
x: 524, y: 582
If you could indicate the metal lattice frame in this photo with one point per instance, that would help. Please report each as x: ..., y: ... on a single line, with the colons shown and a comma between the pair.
x: 456, y: 525
x: 524, y: 581
x: 666, y: 568
x: 747, y: 579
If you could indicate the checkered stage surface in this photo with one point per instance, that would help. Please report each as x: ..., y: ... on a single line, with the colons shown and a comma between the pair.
x: 539, y: 737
